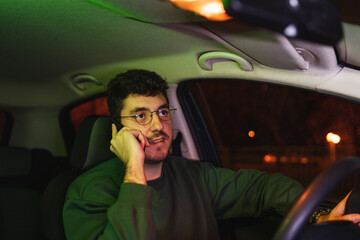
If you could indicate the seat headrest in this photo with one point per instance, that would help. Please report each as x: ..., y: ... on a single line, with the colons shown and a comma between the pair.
x: 92, y: 142
x: 15, y: 161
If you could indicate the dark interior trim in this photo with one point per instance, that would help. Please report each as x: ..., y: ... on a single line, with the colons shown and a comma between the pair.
x: 197, y: 125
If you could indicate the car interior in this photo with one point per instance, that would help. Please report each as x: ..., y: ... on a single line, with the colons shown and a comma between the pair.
x: 264, y: 85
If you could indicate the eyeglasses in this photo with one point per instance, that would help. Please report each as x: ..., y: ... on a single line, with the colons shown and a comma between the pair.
x: 144, y: 117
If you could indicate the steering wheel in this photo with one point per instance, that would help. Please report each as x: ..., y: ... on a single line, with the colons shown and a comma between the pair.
x: 298, y: 216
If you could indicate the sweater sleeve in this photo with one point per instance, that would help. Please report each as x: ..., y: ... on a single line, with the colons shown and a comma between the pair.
x: 249, y: 193
x: 100, y: 209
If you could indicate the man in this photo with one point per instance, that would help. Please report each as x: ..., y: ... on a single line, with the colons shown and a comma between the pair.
x: 144, y: 194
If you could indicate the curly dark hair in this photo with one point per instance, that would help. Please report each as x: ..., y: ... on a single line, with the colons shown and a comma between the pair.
x: 142, y: 82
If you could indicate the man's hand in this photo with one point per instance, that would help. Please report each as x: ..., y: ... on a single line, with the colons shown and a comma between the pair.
x: 129, y: 146
x: 338, y: 214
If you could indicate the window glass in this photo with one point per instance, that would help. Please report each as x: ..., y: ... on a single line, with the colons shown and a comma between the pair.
x: 5, y: 127
x: 275, y: 128
x: 97, y: 106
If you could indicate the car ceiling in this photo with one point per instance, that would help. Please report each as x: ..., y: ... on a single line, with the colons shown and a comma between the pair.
x: 45, y: 44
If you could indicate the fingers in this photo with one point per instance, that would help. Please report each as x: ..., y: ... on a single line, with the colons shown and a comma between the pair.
x: 143, y: 140
x: 112, y: 149
x: 113, y: 134
x: 127, y: 136
x: 113, y: 130
x: 138, y: 135
x: 355, y: 218
x: 140, y: 138
x: 338, y: 213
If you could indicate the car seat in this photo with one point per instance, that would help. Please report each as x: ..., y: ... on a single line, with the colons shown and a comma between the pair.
x: 91, y: 147
x: 24, y: 173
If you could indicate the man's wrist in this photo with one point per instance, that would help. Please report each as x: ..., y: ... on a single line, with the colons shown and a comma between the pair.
x: 135, y: 174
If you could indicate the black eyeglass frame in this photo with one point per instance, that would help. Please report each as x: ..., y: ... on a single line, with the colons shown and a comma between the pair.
x: 169, y: 108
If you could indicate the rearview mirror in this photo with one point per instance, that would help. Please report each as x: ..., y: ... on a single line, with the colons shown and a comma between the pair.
x: 313, y: 20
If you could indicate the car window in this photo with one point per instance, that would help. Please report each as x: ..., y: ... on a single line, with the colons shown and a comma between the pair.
x: 96, y: 106
x: 5, y: 127
x: 275, y: 128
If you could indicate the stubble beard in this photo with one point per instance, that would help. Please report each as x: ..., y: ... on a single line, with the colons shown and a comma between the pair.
x: 155, y: 158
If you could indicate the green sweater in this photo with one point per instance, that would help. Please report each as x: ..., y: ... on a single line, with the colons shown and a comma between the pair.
x: 184, y: 203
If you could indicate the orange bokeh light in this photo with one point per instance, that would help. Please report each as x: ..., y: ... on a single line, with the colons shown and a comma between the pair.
x: 333, y: 138
x: 304, y: 160
x: 211, y: 9
x: 268, y: 158
x: 251, y: 134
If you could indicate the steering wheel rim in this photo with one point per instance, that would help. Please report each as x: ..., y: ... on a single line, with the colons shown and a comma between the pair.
x: 318, y: 190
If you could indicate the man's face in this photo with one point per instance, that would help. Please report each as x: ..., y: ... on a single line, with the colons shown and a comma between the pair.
x: 158, y: 132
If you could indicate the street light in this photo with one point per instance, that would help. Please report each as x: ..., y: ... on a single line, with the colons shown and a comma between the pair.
x: 333, y: 139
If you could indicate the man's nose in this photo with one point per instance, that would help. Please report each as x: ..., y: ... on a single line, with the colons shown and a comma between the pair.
x: 156, y: 123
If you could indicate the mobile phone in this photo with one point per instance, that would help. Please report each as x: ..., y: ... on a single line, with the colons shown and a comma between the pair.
x: 118, y: 124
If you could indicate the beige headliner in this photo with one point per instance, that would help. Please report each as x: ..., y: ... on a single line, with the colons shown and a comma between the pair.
x: 45, y: 43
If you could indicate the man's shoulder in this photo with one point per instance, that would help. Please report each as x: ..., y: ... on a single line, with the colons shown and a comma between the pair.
x: 105, y: 176
x: 111, y: 168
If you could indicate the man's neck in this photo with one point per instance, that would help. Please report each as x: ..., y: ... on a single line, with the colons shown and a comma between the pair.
x: 153, y: 171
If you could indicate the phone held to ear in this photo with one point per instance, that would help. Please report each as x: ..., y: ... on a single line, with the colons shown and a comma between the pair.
x: 119, y: 126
